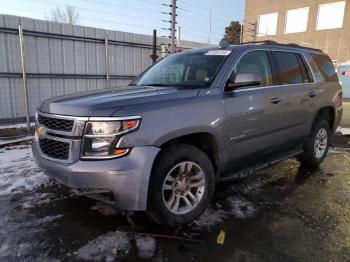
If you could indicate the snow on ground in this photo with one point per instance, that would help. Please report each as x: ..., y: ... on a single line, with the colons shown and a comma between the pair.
x: 107, y: 247
x: 146, y: 246
x: 18, y: 171
x: 212, y: 216
x: 19, y: 177
x: 116, y: 245
x: 235, y: 206
x: 234, y: 201
x: 344, y: 131
x: 240, y: 207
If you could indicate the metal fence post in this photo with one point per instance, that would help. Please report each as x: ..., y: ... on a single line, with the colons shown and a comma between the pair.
x: 24, y: 75
x: 154, y: 47
x: 107, y: 62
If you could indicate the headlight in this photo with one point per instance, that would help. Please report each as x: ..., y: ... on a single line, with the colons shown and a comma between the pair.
x: 101, y: 138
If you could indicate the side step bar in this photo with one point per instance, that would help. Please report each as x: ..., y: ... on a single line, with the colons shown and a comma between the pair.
x: 251, y: 170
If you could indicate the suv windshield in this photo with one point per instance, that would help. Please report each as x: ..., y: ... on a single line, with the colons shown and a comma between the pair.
x: 185, y: 70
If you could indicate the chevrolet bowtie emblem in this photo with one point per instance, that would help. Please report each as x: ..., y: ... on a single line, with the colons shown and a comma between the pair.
x: 41, y: 132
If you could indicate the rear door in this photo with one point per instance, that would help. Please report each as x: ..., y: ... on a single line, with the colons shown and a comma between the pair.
x: 254, y: 115
x: 297, y: 89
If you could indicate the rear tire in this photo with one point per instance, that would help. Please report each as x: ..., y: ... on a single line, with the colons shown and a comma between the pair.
x: 181, y: 185
x: 317, y: 145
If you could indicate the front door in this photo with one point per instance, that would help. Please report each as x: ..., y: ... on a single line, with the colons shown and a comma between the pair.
x: 254, y: 114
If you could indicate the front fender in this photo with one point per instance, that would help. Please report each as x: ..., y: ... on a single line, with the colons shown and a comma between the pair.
x: 166, y: 121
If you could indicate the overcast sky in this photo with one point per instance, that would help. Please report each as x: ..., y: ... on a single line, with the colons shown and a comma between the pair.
x: 140, y: 16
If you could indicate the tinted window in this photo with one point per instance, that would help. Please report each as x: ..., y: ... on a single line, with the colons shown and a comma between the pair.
x: 305, y: 70
x: 255, y: 62
x: 326, y: 68
x: 290, y: 71
x: 185, y: 70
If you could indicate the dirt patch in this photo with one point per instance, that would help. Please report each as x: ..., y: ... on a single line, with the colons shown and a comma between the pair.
x: 339, y: 140
x: 16, y: 132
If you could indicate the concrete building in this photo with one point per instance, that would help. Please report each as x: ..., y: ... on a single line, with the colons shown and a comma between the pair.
x: 323, y: 24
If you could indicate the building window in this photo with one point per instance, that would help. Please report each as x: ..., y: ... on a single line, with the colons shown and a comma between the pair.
x: 296, y: 20
x: 330, y: 15
x: 267, y: 24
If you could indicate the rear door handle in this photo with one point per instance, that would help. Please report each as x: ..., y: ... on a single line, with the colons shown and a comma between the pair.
x: 275, y: 100
x: 312, y: 94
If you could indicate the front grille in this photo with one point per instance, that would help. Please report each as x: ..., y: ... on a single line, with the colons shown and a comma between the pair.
x: 54, y: 149
x: 58, y: 124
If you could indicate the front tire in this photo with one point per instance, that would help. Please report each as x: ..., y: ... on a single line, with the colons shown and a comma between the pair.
x: 317, y: 145
x: 181, y: 186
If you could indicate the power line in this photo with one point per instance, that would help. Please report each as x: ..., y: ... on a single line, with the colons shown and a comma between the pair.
x: 190, y: 28
x: 207, y: 10
x: 35, y: 10
x: 122, y: 6
x: 105, y: 12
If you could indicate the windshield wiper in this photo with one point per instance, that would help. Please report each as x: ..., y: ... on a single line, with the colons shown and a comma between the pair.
x: 178, y: 86
x: 156, y: 84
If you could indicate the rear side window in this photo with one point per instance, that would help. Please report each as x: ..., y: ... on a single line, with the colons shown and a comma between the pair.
x: 291, y: 68
x: 305, y: 70
x: 326, y: 68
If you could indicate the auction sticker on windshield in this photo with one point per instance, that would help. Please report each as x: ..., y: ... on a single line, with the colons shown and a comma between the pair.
x: 218, y: 52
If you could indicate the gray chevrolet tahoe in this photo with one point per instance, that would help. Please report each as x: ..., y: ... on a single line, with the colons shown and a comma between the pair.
x: 191, y: 120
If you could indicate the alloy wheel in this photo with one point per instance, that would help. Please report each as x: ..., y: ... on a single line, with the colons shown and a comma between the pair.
x: 183, y: 187
x: 321, y: 142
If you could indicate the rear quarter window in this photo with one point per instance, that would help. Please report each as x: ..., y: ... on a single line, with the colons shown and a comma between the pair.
x: 326, y: 68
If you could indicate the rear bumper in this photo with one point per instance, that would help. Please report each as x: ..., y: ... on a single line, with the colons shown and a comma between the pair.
x: 127, y: 177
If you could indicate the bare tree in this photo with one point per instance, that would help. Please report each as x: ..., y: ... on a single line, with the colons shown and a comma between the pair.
x: 66, y: 15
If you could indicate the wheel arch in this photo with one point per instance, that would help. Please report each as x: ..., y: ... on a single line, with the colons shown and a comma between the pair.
x: 203, y: 140
x: 326, y: 113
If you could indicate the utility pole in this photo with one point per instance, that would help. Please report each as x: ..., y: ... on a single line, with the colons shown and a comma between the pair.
x: 24, y: 75
x: 172, y: 25
x: 178, y: 35
x: 209, y: 37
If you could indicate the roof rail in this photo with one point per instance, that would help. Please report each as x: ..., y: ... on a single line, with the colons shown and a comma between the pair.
x: 271, y: 42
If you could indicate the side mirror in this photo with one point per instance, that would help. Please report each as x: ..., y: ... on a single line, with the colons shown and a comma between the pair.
x: 243, y: 80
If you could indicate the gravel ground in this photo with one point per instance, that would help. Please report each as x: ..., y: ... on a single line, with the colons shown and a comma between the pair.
x: 285, y: 213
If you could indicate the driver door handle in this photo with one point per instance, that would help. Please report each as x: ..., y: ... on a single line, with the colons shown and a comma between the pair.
x: 312, y: 94
x: 275, y: 100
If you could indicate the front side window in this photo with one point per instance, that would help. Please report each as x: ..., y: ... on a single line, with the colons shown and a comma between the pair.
x: 255, y: 63
x: 289, y: 68
x: 184, y: 70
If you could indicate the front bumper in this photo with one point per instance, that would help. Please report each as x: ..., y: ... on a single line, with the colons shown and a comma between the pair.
x: 127, y: 177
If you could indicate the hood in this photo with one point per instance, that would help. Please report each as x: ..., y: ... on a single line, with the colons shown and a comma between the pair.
x: 105, y: 102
